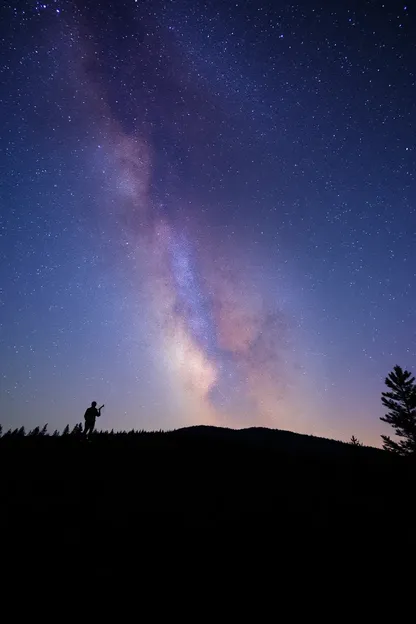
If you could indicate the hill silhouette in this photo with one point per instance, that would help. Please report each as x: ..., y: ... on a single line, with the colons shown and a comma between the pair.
x: 272, y: 439
x: 115, y: 487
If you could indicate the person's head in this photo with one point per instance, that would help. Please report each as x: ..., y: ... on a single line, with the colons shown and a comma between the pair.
x: 94, y: 404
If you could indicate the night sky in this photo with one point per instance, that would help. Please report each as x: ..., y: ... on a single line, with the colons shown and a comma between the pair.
x: 207, y: 212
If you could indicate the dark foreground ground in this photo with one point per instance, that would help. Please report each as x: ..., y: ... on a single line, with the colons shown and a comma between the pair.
x: 92, y: 503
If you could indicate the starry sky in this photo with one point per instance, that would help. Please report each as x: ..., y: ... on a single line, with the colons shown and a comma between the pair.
x: 206, y: 212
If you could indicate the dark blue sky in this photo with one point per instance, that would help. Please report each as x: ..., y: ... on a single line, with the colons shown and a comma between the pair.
x: 207, y: 212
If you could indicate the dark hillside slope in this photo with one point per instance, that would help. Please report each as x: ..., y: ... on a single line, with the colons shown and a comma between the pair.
x: 129, y: 485
x: 271, y: 439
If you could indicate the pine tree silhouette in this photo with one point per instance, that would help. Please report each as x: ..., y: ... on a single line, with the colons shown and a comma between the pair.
x: 355, y: 441
x: 401, y: 403
x: 77, y: 430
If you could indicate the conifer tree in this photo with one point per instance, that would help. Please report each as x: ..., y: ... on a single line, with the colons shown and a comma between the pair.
x: 400, y: 401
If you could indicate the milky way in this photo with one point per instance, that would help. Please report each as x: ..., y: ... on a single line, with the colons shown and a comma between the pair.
x: 222, y: 350
x: 207, y: 212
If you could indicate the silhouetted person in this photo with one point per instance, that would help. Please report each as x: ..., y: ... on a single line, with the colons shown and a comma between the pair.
x: 90, y: 415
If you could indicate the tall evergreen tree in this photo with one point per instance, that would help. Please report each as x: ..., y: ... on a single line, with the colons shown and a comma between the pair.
x: 401, y: 404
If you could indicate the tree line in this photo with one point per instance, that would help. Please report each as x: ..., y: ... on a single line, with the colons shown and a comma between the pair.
x: 399, y: 400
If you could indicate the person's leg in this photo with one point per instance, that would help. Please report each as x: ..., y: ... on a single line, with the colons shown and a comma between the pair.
x: 87, y: 427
